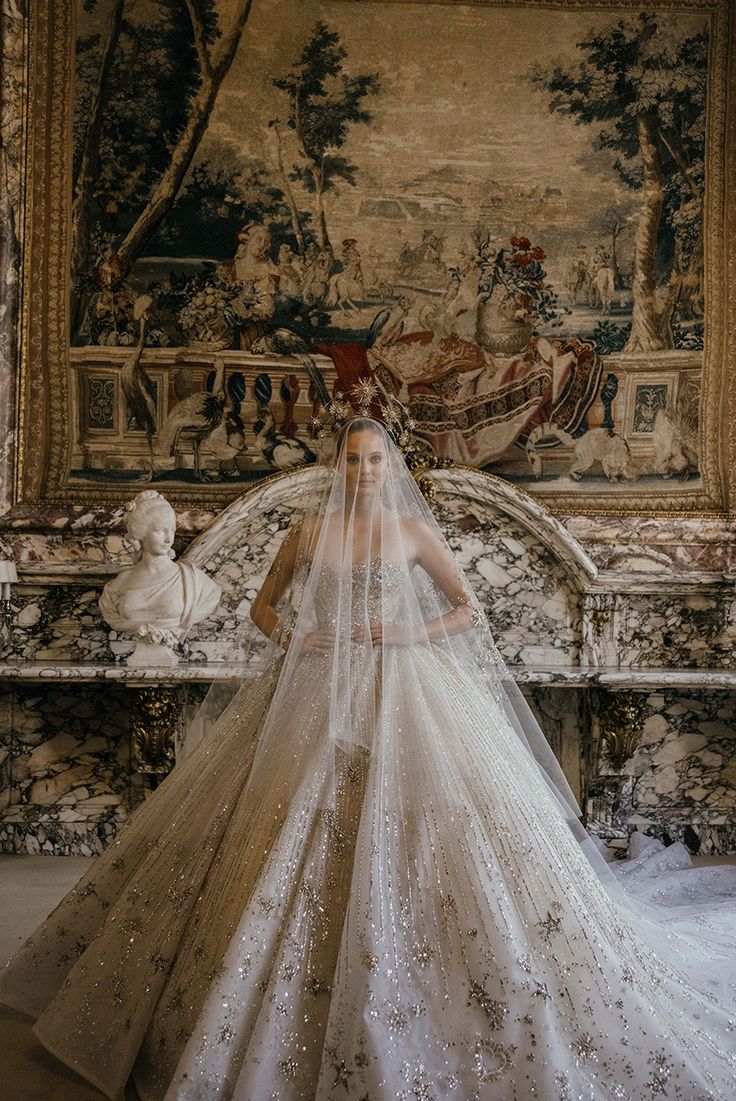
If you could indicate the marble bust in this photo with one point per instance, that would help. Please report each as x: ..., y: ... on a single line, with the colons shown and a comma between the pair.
x: 156, y: 599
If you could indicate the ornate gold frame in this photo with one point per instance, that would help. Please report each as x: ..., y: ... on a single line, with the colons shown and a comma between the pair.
x: 43, y: 413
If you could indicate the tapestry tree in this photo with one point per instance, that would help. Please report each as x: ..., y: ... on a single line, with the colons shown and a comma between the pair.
x: 324, y: 101
x: 642, y: 87
x: 145, y: 101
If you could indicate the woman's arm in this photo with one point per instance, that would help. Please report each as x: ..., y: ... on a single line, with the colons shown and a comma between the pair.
x: 432, y: 555
x: 263, y: 610
x: 434, y: 558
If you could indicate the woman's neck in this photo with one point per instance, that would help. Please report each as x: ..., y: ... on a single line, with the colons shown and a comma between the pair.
x: 155, y: 563
x: 361, y: 513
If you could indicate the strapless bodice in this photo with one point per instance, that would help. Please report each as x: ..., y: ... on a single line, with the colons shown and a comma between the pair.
x: 375, y: 585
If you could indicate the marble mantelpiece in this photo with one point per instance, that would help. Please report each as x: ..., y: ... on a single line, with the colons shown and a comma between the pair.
x: 613, y: 678
x: 574, y: 624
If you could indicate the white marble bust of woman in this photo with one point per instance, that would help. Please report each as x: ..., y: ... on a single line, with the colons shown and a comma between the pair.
x: 156, y: 598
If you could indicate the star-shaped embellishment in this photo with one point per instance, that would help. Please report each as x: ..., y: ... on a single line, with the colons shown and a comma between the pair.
x: 317, y: 987
x: 495, y: 1011
x: 342, y: 1075
x: 660, y: 1074
x: 289, y: 1068
x: 423, y: 953
x: 583, y: 1048
x: 266, y: 905
x: 549, y: 926
x: 225, y: 1034
x: 370, y: 961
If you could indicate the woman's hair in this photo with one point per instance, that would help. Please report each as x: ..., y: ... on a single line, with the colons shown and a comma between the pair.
x: 357, y: 424
x: 138, y: 515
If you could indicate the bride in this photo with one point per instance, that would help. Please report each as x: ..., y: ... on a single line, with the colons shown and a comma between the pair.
x: 368, y: 880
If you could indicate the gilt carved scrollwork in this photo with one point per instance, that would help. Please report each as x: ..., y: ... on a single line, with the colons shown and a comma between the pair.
x: 621, y: 718
x: 154, y: 721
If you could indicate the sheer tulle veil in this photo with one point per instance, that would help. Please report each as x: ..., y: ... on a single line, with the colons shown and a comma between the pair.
x: 371, y: 598
x: 362, y: 547
x: 369, y: 876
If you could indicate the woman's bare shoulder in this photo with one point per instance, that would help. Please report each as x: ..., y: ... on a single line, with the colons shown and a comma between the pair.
x: 416, y: 532
x: 304, y: 531
x: 415, y: 525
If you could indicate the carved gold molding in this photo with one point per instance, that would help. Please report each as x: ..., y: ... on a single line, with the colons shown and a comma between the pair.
x: 154, y: 719
x: 621, y: 718
x: 44, y: 392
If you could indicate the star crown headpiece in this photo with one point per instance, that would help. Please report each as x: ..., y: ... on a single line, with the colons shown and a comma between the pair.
x: 366, y: 399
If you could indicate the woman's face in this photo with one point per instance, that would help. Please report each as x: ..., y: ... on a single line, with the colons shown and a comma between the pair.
x: 365, y: 463
x: 257, y: 242
x: 158, y: 537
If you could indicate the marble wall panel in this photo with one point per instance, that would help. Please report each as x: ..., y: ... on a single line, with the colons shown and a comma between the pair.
x: 625, y: 544
x: 60, y: 623
x: 531, y: 603
x: 677, y: 630
x: 536, y: 613
x: 651, y: 545
x: 682, y: 774
x: 68, y: 781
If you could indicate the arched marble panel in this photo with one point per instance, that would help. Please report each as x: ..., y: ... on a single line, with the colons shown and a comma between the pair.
x: 527, y: 570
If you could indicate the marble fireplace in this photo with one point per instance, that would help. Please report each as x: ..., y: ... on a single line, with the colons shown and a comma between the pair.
x: 623, y: 650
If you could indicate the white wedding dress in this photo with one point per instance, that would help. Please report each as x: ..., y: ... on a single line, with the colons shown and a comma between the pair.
x: 404, y: 913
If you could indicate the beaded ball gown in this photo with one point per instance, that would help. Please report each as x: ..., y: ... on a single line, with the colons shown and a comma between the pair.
x: 367, y: 879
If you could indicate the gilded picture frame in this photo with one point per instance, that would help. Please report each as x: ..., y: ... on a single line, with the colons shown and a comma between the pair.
x: 48, y: 393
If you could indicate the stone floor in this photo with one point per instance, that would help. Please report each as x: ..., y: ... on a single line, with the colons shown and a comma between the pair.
x: 30, y: 887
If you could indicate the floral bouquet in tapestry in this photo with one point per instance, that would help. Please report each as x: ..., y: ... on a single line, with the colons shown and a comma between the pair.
x: 514, y: 295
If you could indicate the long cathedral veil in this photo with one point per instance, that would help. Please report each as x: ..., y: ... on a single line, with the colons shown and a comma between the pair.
x: 370, y: 597
x: 365, y: 860
x: 371, y: 561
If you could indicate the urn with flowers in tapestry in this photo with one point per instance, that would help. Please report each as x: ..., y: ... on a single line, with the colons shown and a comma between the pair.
x: 513, y: 292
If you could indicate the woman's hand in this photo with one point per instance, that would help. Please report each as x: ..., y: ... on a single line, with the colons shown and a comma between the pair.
x: 319, y: 640
x: 385, y: 634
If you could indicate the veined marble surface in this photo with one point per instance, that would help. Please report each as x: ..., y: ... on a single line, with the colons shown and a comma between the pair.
x: 66, y: 777
x: 682, y: 773
x: 571, y: 619
x: 640, y: 679
x: 625, y: 544
x: 647, y: 545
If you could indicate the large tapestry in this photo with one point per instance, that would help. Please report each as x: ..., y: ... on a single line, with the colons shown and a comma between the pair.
x: 508, y: 217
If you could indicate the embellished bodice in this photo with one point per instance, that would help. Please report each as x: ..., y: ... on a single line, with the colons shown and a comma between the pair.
x: 375, y: 585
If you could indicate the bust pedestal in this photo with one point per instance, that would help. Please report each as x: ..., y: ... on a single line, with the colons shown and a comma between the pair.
x: 148, y: 653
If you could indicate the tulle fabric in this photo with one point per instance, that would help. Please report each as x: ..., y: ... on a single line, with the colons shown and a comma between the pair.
x: 372, y: 577
x: 367, y: 878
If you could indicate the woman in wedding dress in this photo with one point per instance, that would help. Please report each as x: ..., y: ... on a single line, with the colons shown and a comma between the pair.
x: 368, y: 879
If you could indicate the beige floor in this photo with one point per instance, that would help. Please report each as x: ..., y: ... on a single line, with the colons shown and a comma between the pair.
x: 30, y: 887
